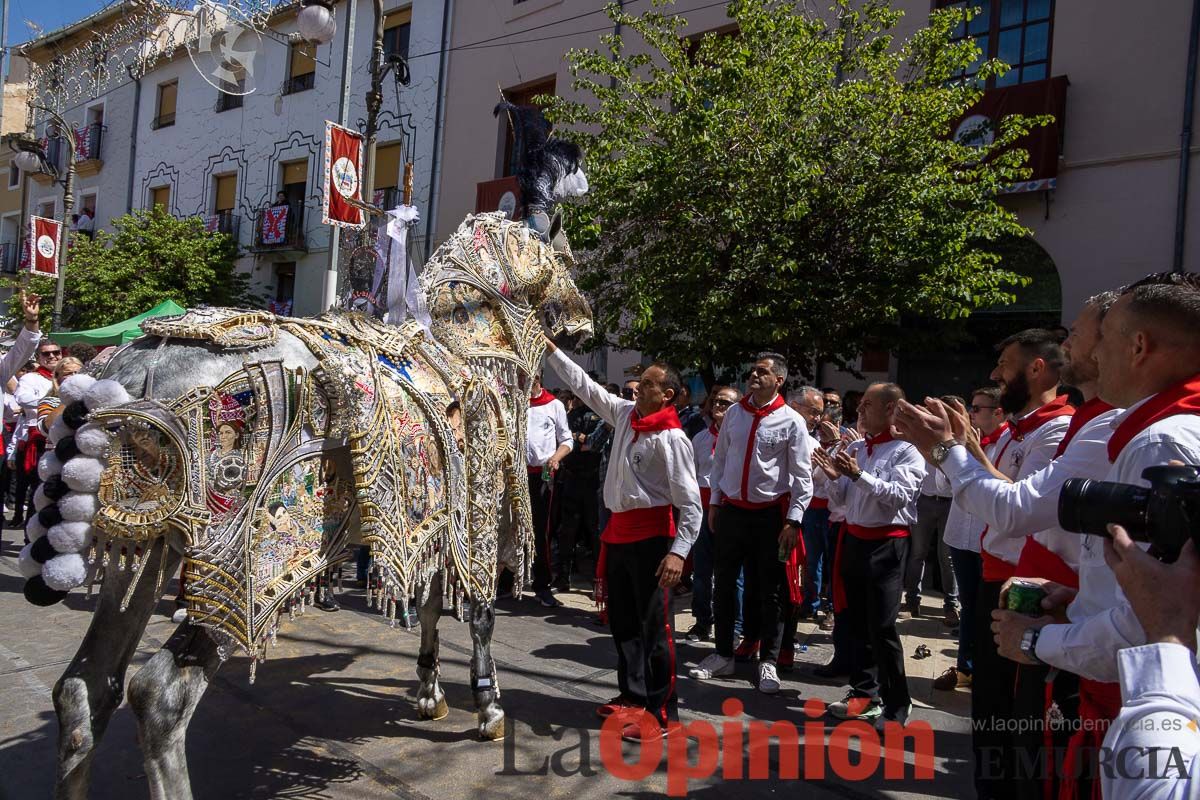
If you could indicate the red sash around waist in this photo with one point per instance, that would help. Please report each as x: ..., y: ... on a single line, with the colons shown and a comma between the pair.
x: 996, y: 569
x: 877, y: 532
x: 1039, y: 561
x: 819, y: 502
x: 782, y: 502
x: 1099, y: 704
x: 638, y: 524
x: 705, y: 498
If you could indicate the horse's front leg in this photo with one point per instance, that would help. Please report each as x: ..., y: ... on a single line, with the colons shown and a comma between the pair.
x: 431, y: 700
x: 483, y: 671
x: 164, y: 694
x: 92, y: 687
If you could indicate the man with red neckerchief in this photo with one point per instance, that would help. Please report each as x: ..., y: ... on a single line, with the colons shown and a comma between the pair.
x: 1027, y: 511
x: 548, y: 440
x: 875, y: 483
x: 761, y: 483
x: 1147, y: 358
x: 650, y: 469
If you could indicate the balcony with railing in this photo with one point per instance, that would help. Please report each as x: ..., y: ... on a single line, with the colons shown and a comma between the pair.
x: 279, y: 229
x: 9, y: 260
x: 89, y: 153
x: 225, y: 222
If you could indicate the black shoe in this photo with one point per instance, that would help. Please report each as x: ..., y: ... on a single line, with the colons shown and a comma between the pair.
x: 562, y: 585
x: 830, y: 671
x: 327, y: 604
x: 914, y: 608
x: 547, y: 599
x: 700, y: 632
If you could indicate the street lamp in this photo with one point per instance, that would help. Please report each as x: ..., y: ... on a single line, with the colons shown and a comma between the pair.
x: 32, y: 158
x: 316, y: 22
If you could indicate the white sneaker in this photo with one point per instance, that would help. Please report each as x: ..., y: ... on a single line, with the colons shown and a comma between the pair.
x: 714, y: 665
x: 768, y: 679
x: 180, y: 615
x: 900, y: 715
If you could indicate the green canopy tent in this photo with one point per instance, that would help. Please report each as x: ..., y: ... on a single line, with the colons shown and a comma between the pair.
x: 118, y: 332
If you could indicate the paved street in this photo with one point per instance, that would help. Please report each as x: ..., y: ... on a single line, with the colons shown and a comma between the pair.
x: 332, y: 713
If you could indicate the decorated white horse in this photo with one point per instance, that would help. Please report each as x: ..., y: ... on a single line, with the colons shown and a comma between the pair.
x: 256, y: 449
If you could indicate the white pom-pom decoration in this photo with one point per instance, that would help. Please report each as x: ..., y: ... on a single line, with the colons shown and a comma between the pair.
x: 78, y: 507
x: 40, y: 500
x: 58, y: 432
x: 91, y: 440
x: 29, y: 568
x: 70, y: 537
x: 105, y: 394
x: 83, y: 474
x: 65, y: 572
x: 34, y: 529
x: 75, y: 387
x: 49, y: 466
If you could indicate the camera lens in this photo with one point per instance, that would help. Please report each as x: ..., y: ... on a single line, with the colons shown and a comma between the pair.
x: 1087, y: 506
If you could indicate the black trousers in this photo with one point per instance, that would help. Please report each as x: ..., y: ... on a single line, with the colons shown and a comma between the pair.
x: 577, y: 520
x: 541, y: 495
x: 750, y: 538
x: 998, y: 702
x: 873, y: 573
x: 641, y: 620
x: 27, y: 480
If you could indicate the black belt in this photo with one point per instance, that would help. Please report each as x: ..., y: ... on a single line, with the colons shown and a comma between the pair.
x: 937, y: 497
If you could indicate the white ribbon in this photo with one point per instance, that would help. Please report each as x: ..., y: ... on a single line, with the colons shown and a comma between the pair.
x: 403, y: 296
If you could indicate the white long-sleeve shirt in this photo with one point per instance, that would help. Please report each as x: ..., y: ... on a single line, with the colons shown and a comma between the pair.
x: 1160, y: 712
x: 31, y: 388
x: 779, y: 463
x: 1018, y: 459
x: 1030, y: 505
x: 656, y: 470
x: 887, y: 490
x: 1102, y: 621
x: 19, y: 354
x: 545, y: 432
x: 964, y: 530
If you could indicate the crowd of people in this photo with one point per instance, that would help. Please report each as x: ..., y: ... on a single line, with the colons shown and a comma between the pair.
x: 782, y: 505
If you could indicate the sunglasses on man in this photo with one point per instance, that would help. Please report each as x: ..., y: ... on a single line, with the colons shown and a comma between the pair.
x: 722, y: 403
x: 50, y: 353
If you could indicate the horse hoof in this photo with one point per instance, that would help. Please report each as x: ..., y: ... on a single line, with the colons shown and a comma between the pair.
x: 429, y: 710
x: 492, y: 728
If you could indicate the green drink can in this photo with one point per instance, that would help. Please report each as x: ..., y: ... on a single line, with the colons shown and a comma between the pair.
x: 1025, y: 597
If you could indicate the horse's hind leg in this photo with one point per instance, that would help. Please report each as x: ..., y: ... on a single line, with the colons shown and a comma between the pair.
x: 483, y: 671
x: 164, y: 694
x: 431, y: 700
x: 92, y: 687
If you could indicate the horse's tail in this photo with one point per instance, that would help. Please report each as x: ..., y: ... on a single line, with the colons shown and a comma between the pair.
x: 62, y: 535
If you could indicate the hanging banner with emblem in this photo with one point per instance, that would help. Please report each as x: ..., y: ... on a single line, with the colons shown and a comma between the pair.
x: 343, y: 177
x: 46, y: 238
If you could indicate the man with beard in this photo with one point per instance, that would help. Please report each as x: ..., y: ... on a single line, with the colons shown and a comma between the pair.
x: 1021, y: 513
x: 704, y: 444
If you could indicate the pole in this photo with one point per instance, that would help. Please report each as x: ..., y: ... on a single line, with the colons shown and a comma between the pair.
x: 1185, y: 140
x: 374, y: 98
x: 68, y: 209
x: 329, y: 290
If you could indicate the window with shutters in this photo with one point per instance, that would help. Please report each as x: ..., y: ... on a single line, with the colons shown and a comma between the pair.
x: 168, y: 93
x: 161, y: 196
x: 397, y: 26
x: 388, y: 169
x: 226, y: 193
x: 302, y: 68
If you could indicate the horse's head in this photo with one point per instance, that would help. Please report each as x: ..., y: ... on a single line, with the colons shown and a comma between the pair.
x: 563, y: 308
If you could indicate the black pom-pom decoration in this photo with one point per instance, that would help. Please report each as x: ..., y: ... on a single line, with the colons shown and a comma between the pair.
x: 55, y: 488
x: 49, y: 516
x: 75, y: 415
x: 38, y: 593
x: 42, y: 551
x: 65, y: 450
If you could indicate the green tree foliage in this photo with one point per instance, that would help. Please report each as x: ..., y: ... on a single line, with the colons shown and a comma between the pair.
x: 792, y: 186
x: 148, y: 257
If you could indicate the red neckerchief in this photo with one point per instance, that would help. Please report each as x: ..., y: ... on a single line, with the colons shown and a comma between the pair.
x: 880, y: 439
x: 1058, y: 407
x: 663, y: 420
x: 542, y: 399
x: 712, y: 429
x: 1182, y: 398
x: 1083, y: 415
x: 757, y: 415
x: 994, y: 436
x: 48, y: 374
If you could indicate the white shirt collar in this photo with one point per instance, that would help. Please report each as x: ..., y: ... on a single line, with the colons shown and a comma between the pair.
x: 1116, y: 421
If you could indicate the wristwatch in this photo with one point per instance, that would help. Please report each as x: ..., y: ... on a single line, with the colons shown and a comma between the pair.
x: 793, y: 523
x: 941, y: 450
x: 1029, y: 644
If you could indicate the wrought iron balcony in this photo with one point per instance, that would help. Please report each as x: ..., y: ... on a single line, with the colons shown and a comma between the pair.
x: 279, y: 228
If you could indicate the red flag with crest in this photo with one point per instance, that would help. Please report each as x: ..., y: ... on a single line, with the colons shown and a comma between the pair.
x: 45, y: 236
x: 343, y: 177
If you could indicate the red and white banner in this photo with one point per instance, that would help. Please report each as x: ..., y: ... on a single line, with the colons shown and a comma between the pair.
x: 45, y: 236
x: 274, y: 225
x: 343, y: 177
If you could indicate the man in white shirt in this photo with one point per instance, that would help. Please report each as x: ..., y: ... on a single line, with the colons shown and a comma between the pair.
x: 875, y: 483
x: 933, y: 510
x: 548, y: 441
x: 761, y: 483
x: 809, y: 403
x: 704, y: 444
x: 650, y: 469
x: 1153, y: 746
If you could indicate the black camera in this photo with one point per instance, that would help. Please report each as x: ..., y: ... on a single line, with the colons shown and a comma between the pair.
x: 1166, y: 514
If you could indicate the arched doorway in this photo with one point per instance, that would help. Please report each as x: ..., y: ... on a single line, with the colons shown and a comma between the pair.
x: 956, y: 356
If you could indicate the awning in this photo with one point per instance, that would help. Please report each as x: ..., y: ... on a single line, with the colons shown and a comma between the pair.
x: 119, y: 332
